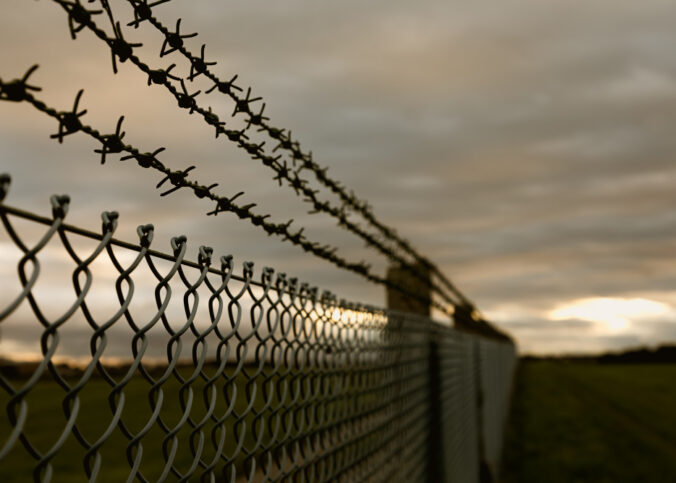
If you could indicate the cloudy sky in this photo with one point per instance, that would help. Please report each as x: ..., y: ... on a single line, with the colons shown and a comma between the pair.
x: 526, y: 147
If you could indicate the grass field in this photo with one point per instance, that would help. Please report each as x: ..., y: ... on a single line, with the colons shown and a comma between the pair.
x: 570, y: 422
x: 585, y: 422
x: 287, y: 415
x: 46, y: 421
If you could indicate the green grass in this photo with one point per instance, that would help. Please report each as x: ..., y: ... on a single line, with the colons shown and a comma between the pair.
x: 46, y: 421
x: 290, y: 395
x: 585, y: 422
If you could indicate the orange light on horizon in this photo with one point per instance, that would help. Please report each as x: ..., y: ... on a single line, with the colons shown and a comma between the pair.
x: 615, y: 313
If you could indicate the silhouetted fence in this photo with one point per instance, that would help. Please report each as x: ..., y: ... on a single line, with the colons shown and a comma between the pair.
x: 290, y: 168
x: 127, y: 363
x: 198, y: 371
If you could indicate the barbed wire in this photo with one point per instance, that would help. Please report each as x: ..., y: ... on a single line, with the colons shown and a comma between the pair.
x: 198, y: 65
x: 70, y: 122
x: 174, y: 41
x: 60, y: 206
x: 123, y: 51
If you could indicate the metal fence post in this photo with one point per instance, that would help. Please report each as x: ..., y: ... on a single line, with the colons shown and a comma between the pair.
x: 436, y: 466
x: 419, y: 286
x: 485, y: 475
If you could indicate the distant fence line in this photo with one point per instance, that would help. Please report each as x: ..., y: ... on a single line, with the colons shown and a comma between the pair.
x: 263, y: 379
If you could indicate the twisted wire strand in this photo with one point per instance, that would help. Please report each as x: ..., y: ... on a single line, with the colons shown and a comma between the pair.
x: 122, y: 51
x: 70, y: 123
x: 198, y: 66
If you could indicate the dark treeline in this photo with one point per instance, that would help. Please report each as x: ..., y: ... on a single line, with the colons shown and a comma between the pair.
x: 662, y: 354
x: 665, y: 354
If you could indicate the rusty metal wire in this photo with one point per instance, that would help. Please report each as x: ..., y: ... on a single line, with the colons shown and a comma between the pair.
x: 122, y: 51
x: 261, y: 380
x: 70, y: 123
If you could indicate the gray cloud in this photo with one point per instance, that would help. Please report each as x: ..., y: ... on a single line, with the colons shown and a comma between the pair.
x: 526, y: 147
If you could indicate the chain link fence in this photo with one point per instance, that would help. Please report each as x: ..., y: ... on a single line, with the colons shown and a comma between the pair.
x: 152, y: 367
x: 122, y: 362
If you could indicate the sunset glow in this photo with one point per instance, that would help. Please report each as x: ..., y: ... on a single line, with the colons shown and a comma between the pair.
x: 615, y: 313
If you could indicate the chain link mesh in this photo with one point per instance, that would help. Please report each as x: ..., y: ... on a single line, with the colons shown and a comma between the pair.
x: 120, y: 362
x: 220, y: 375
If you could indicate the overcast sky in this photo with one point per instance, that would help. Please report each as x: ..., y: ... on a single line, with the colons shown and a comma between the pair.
x: 526, y: 147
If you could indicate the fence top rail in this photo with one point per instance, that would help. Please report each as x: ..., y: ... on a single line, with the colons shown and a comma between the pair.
x: 282, y: 285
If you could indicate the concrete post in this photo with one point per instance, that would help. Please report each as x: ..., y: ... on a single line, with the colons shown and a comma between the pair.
x: 421, y: 302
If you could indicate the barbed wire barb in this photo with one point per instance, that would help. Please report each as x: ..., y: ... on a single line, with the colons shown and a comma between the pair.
x: 69, y: 122
x: 199, y: 65
x: 161, y: 76
x: 120, y: 48
x: 17, y: 90
x: 143, y: 11
x: 78, y: 16
x: 174, y: 40
x: 112, y: 143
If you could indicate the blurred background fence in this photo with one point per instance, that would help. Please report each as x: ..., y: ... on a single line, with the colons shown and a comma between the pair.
x: 198, y: 371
